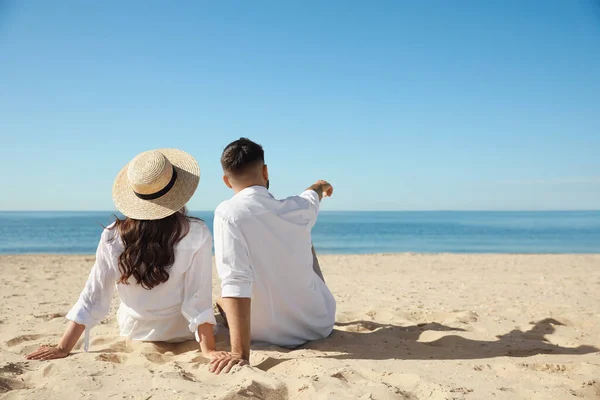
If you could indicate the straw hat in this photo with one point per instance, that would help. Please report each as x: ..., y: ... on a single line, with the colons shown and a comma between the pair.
x: 156, y: 184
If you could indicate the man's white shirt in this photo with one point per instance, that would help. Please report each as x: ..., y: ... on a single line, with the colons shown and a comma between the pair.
x: 263, y: 252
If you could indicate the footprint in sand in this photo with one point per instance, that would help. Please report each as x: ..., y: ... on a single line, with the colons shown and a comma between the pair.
x: 11, y: 368
x: 199, y: 359
x: 544, y: 367
x: 21, y: 339
x: 187, y: 376
x: 156, y: 358
x: 359, y: 326
x: 48, y: 370
x: 261, y: 390
x: 101, y: 340
x: 9, y: 376
x: 116, y: 347
x: 9, y: 384
x: 589, y: 390
x: 176, y: 371
x: 270, y: 362
x: 347, y: 375
x: 463, y: 317
x: 50, y: 316
x: 113, y: 358
x: 353, y: 385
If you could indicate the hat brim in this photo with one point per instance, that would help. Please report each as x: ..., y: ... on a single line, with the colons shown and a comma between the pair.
x: 188, y: 177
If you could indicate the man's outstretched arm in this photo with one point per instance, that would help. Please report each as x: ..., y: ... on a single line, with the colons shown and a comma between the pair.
x: 322, y: 188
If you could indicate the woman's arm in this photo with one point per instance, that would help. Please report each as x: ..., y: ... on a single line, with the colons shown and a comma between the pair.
x: 91, y: 307
x: 197, y: 296
x: 64, y: 347
x: 207, y: 340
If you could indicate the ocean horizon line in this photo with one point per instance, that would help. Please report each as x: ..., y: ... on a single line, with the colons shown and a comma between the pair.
x: 382, y: 254
x: 341, y: 211
x: 348, y: 232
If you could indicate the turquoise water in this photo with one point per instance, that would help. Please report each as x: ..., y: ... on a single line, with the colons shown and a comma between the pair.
x: 348, y: 232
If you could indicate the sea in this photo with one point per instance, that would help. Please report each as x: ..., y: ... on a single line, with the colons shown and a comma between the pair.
x: 347, y: 232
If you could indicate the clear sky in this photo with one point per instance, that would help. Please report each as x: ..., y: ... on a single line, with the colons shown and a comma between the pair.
x: 402, y: 105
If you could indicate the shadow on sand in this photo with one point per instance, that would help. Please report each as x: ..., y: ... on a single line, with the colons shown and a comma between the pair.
x: 375, y: 341
x: 369, y: 340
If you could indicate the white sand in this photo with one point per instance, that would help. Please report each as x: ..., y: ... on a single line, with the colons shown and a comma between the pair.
x: 409, y: 327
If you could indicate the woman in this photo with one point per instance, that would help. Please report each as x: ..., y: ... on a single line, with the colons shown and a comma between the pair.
x: 159, y: 259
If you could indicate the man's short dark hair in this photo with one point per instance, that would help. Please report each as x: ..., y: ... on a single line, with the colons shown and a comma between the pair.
x: 241, y: 155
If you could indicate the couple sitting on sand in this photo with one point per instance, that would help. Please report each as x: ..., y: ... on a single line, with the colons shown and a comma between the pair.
x: 160, y: 261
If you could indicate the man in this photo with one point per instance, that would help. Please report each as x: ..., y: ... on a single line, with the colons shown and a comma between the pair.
x: 272, y: 287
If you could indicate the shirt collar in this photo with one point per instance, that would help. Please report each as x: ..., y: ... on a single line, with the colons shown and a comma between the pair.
x: 255, y: 191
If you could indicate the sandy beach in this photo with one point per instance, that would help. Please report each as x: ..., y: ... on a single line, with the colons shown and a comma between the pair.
x: 408, y: 327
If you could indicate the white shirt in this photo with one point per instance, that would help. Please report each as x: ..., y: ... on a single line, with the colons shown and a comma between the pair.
x: 263, y: 251
x: 171, y: 311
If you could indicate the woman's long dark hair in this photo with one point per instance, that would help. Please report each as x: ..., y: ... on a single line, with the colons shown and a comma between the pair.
x: 150, y: 247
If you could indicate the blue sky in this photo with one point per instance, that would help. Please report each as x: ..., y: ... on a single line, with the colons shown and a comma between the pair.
x: 402, y: 105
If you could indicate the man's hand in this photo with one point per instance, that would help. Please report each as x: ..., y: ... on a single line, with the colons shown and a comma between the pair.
x: 225, y: 363
x: 323, y: 189
x: 327, y: 188
x: 47, y: 353
x: 214, y: 354
x: 238, y: 311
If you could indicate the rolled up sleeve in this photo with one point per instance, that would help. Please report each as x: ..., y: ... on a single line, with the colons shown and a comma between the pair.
x: 232, y: 259
x: 197, y: 297
x: 94, y: 301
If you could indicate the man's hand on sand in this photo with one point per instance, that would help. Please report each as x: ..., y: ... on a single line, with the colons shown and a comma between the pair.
x: 225, y: 363
x: 214, y: 354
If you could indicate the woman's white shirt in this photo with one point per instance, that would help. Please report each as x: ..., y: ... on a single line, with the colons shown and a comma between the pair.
x: 171, y: 311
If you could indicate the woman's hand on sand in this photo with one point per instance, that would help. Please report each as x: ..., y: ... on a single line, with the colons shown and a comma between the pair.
x: 47, y: 353
x: 225, y: 363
